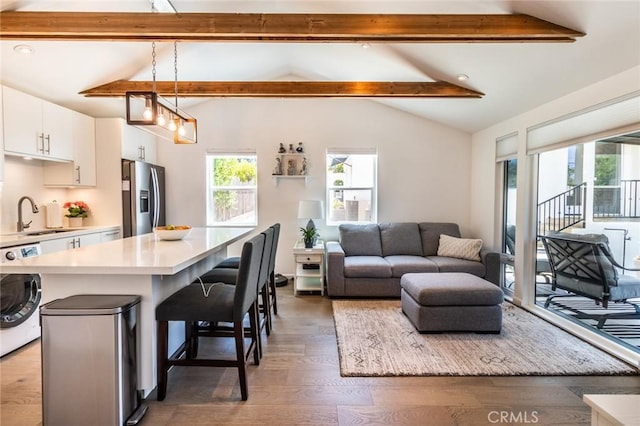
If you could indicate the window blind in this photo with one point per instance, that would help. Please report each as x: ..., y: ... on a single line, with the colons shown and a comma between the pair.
x: 606, y: 119
x: 352, y: 150
x: 506, y: 147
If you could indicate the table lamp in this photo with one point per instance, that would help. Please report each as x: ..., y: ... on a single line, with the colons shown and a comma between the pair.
x: 310, y: 209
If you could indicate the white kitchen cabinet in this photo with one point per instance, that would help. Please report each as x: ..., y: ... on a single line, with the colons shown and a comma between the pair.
x: 82, y: 172
x: 36, y: 128
x: 137, y: 144
x: 110, y: 235
x: 1, y: 142
x: 70, y: 242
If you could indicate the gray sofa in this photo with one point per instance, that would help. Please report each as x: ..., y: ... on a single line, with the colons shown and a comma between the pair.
x: 369, y: 260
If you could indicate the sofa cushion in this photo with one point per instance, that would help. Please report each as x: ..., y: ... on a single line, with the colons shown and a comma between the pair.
x: 430, y: 235
x: 401, y: 265
x: 360, y: 240
x: 451, y: 264
x: 461, y: 248
x: 366, y: 267
x: 400, y: 239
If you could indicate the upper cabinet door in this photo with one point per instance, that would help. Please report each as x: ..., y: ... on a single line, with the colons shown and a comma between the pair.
x: 138, y: 145
x: 1, y: 142
x: 57, y: 125
x: 82, y: 172
x: 36, y: 128
x: 84, y: 149
x: 22, y: 116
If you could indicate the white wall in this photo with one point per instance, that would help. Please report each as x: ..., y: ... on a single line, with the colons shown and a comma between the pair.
x: 423, y: 167
x: 25, y: 177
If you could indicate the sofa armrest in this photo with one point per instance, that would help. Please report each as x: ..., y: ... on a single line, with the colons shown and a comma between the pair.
x: 335, y: 268
x: 492, y: 264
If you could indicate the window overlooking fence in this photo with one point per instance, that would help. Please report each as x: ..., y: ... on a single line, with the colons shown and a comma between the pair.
x: 351, y: 186
x: 232, y: 191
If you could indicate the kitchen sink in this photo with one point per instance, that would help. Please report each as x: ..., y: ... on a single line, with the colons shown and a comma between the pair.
x: 48, y: 231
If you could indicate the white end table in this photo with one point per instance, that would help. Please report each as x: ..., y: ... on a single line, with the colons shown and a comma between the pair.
x: 309, y: 268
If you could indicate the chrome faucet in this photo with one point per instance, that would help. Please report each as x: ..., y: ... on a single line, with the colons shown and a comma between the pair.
x: 34, y: 209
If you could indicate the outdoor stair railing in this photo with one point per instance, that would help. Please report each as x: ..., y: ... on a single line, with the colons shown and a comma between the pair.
x: 563, y: 210
x: 618, y: 201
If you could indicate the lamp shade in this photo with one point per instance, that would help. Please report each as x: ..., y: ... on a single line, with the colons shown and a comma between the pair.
x: 310, y: 209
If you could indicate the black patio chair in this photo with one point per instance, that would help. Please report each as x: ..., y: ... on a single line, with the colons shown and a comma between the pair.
x: 583, y: 265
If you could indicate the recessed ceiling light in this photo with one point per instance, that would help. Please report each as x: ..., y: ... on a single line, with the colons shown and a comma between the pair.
x: 462, y: 77
x: 24, y: 49
x: 365, y: 45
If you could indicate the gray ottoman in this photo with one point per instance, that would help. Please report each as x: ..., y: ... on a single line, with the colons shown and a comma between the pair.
x: 451, y: 301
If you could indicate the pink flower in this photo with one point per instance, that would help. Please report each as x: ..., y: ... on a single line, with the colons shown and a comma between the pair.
x: 76, y: 208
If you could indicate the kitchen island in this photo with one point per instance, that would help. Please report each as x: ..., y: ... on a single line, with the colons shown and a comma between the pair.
x: 140, y: 265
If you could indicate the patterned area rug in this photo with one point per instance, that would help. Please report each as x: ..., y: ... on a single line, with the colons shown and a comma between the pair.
x: 376, y: 339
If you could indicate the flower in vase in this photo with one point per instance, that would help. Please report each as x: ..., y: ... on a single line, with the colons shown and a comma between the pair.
x: 76, y: 209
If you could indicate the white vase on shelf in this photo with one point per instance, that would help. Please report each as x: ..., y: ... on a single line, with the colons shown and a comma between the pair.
x: 75, y: 222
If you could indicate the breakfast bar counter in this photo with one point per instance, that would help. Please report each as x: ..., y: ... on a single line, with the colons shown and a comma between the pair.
x: 141, y: 265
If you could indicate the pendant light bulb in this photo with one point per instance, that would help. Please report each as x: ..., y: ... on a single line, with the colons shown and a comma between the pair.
x: 181, y: 129
x: 161, y: 120
x: 147, y: 114
x: 172, y: 124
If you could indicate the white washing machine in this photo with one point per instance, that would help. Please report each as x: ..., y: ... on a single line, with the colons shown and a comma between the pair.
x: 19, y: 301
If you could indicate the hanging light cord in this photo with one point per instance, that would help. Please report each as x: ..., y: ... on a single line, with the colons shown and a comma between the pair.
x: 175, y: 68
x: 153, y: 53
x: 153, y: 64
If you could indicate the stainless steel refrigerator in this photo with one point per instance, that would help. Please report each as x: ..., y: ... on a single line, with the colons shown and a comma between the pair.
x: 143, y: 200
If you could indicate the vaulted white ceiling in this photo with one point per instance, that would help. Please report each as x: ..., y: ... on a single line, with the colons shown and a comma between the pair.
x: 514, y: 77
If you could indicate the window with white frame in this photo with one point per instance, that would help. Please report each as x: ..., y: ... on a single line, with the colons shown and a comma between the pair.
x: 232, y: 191
x: 351, y: 186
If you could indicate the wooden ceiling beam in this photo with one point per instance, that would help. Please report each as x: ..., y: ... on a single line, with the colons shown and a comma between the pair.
x: 288, y: 89
x: 301, y: 27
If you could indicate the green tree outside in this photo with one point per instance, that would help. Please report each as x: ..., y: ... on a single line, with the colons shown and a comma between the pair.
x: 228, y: 171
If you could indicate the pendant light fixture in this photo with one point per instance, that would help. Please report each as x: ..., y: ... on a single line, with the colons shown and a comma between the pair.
x: 156, y: 114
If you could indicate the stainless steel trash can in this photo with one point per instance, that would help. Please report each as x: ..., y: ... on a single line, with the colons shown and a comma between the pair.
x: 89, y: 350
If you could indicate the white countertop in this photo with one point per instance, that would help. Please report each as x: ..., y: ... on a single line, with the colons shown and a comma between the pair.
x: 139, y: 255
x: 615, y: 409
x: 20, y: 238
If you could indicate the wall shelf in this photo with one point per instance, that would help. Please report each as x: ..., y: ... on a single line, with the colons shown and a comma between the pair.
x: 277, y: 178
x: 291, y: 165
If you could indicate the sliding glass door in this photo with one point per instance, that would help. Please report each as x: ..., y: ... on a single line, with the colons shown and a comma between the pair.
x: 510, y: 171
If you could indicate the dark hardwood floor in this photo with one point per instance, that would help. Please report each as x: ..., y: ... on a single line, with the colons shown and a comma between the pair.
x: 298, y: 382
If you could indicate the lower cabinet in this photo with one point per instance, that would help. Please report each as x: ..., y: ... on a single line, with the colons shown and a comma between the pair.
x: 77, y: 241
x: 110, y: 236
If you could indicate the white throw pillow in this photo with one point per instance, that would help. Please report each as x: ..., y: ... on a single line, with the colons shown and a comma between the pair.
x: 460, y: 248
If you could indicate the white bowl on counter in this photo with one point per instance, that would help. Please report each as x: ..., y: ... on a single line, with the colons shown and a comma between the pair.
x: 176, y: 233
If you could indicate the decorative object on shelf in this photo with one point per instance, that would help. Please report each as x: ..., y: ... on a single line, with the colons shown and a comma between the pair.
x: 282, y: 149
x: 158, y: 115
x: 300, y: 148
x: 309, y: 236
x: 76, y: 209
x: 303, y: 170
x: 310, y: 209
x: 291, y: 168
x: 277, y: 171
x: 291, y: 151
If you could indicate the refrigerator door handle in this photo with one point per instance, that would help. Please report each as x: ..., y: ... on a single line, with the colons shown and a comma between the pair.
x: 156, y: 198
